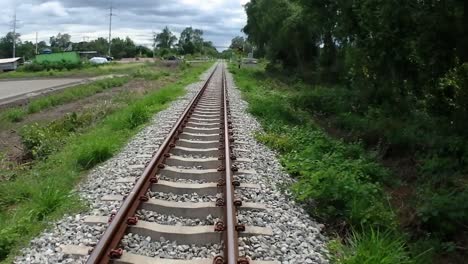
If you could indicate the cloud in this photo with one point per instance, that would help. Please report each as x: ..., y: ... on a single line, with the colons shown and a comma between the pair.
x: 50, y: 9
x: 221, y: 20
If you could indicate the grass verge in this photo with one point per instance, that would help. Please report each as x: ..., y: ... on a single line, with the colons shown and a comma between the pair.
x: 340, y: 183
x: 17, y: 114
x: 95, y: 70
x: 33, y: 198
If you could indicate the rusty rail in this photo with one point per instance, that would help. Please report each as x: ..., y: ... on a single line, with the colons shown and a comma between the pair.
x: 106, y: 248
x: 231, y: 247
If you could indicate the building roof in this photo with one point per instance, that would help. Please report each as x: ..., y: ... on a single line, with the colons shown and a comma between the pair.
x: 10, y: 60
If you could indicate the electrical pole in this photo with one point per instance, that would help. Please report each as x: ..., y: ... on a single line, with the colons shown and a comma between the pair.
x: 110, y: 29
x: 14, y: 33
x: 36, y: 42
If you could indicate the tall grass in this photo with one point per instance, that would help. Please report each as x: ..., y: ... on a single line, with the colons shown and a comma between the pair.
x: 371, y: 247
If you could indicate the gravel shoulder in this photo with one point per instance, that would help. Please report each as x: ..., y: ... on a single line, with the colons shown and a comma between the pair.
x: 297, y: 238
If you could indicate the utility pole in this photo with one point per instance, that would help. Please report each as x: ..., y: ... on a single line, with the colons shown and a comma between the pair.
x: 110, y: 28
x: 14, y: 32
x: 36, y: 43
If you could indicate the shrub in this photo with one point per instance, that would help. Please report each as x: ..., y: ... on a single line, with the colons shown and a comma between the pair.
x: 39, y: 141
x: 7, y: 241
x: 15, y: 115
x: 444, y: 212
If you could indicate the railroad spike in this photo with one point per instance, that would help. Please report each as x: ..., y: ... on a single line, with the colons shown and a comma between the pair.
x: 219, y: 226
x: 153, y: 180
x: 221, y: 182
x: 240, y: 228
x: 116, y: 253
x: 133, y: 220
x: 218, y: 260
x: 243, y: 260
x: 220, y: 202
x: 144, y: 198
x: 237, y: 202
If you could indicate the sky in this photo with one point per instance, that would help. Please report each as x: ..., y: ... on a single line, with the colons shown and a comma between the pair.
x: 221, y: 20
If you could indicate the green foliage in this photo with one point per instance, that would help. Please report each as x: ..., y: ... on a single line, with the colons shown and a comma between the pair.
x: 149, y: 74
x: 138, y: 115
x: 444, y: 211
x: 49, y: 66
x: 338, y: 182
x: 15, y: 115
x: 74, y: 93
x: 371, y: 247
x: 39, y: 141
x: 95, y: 151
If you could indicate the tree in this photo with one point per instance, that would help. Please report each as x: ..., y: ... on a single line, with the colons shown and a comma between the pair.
x: 60, y: 42
x: 123, y: 48
x: 165, y: 39
x: 6, y: 45
x: 191, y: 41
x: 237, y: 43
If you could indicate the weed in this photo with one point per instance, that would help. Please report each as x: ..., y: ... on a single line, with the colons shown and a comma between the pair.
x: 371, y: 247
x: 138, y: 115
x: 95, y: 151
x: 39, y: 141
x: 15, y: 114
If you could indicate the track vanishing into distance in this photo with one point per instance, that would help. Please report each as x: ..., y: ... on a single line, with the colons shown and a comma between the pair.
x: 196, y: 157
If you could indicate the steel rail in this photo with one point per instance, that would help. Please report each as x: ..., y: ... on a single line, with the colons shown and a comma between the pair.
x: 231, y: 247
x: 116, y: 230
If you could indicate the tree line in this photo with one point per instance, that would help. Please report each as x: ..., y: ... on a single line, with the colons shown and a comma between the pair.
x: 394, y: 76
x: 191, y: 42
x: 399, y: 54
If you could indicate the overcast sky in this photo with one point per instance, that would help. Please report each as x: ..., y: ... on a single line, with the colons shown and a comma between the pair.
x: 221, y: 20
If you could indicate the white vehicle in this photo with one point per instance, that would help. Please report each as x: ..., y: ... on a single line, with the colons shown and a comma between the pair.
x: 98, y: 60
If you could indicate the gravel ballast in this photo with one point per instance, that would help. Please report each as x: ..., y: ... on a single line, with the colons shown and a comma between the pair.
x: 296, y: 237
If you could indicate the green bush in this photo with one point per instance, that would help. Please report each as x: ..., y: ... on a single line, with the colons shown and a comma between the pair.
x: 339, y: 180
x: 444, y: 211
x: 15, y: 115
x: 49, y: 66
x: 39, y: 141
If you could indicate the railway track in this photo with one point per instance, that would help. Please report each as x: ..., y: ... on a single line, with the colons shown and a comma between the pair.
x: 196, y: 158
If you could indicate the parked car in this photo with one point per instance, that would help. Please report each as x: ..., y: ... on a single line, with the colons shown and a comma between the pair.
x: 98, y: 60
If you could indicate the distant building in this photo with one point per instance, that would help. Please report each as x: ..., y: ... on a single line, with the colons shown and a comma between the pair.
x: 9, y: 64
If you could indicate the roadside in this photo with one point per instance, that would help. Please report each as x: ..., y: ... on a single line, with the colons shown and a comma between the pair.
x: 89, y: 71
x: 20, y: 91
x: 65, y: 145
